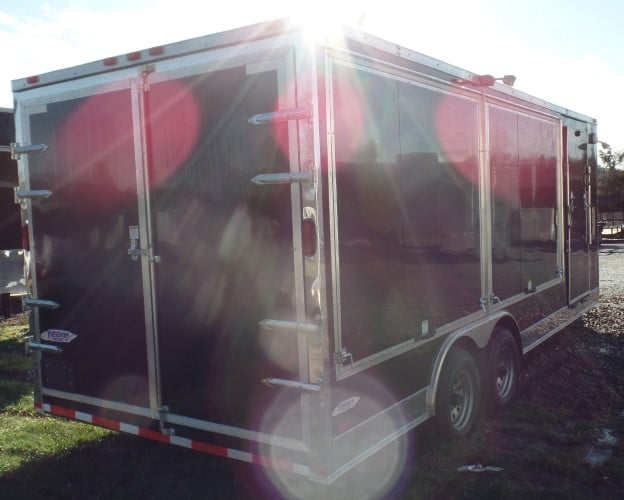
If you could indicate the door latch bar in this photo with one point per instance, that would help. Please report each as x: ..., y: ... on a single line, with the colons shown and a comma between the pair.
x: 163, y: 411
x: 288, y: 326
x: 45, y: 304
x: 281, y: 116
x: 291, y: 384
x: 283, y: 178
x: 31, y: 193
x: 16, y: 150
x: 342, y: 356
x: 38, y: 346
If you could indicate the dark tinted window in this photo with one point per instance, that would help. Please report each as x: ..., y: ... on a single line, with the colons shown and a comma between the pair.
x: 407, y: 200
x: 523, y: 161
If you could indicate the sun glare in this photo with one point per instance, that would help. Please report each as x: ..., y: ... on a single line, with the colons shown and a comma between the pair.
x: 324, y: 21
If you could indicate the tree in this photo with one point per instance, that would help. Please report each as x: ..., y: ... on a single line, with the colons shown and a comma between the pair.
x: 610, y: 176
x: 611, y: 159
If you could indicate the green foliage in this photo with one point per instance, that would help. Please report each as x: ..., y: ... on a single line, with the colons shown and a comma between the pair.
x: 611, y: 159
x: 610, y: 176
x: 27, y: 436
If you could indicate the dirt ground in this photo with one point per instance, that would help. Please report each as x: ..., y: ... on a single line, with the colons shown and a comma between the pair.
x: 583, y: 369
x: 563, y: 435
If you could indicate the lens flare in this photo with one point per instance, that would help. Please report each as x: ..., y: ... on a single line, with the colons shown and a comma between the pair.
x: 94, y: 152
x: 173, y: 123
x: 95, y: 148
x: 363, y: 428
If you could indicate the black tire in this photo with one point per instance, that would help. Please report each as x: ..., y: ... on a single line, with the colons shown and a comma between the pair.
x: 503, y: 370
x: 458, y: 398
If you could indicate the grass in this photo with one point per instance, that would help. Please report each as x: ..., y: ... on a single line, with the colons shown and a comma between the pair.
x: 26, y: 435
x: 13, y: 360
x: 49, y: 457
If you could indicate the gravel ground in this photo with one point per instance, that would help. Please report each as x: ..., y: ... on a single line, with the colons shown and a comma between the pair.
x: 608, y: 317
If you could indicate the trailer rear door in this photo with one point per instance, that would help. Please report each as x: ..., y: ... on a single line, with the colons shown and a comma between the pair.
x: 578, y: 211
x: 163, y: 256
x: 224, y: 244
x: 79, y: 238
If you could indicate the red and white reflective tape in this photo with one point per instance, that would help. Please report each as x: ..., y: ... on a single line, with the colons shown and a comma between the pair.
x: 192, y: 444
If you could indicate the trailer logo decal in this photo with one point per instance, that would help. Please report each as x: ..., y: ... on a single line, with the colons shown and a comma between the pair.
x: 58, y: 336
x: 345, y: 406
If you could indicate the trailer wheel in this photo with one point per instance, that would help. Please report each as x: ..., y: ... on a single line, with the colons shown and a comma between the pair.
x: 458, y: 397
x: 503, y: 367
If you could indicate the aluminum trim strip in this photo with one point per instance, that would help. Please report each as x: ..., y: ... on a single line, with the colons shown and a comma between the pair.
x: 333, y: 208
x: 523, y: 295
x: 259, y: 34
x: 531, y: 337
x: 100, y: 403
x: 393, y: 351
x: 452, y: 71
x: 194, y: 423
x: 344, y: 468
x: 226, y: 430
x: 144, y: 213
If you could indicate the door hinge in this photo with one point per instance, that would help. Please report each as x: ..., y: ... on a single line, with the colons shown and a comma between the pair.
x: 341, y: 357
x: 163, y: 411
x: 483, y: 302
x: 144, y: 86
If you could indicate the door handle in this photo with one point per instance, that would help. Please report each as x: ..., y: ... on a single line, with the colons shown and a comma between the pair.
x: 135, y: 251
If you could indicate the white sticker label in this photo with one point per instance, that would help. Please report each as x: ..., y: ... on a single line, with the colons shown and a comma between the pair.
x: 58, y: 336
x: 345, y: 406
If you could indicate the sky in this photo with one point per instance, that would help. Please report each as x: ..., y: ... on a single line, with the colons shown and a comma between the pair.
x: 569, y: 52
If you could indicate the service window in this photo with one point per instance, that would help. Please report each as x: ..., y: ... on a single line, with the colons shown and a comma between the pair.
x: 407, y: 206
x: 523, y: 177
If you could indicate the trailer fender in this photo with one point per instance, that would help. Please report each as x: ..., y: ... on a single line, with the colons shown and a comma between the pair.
x: 478, y: 334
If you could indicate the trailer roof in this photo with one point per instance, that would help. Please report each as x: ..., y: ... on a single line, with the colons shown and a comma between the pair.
x: 274, y: 29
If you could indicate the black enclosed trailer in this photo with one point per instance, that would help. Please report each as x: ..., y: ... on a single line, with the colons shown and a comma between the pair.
x: 292, y: 252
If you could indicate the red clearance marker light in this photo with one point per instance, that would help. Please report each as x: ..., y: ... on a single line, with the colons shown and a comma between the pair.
x: 156, y: 51
x: 32, y: 79
x: 133, y: 56
x: 110, y: 61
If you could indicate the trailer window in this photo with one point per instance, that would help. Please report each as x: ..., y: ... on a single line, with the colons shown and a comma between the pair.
x: 524, y: 201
